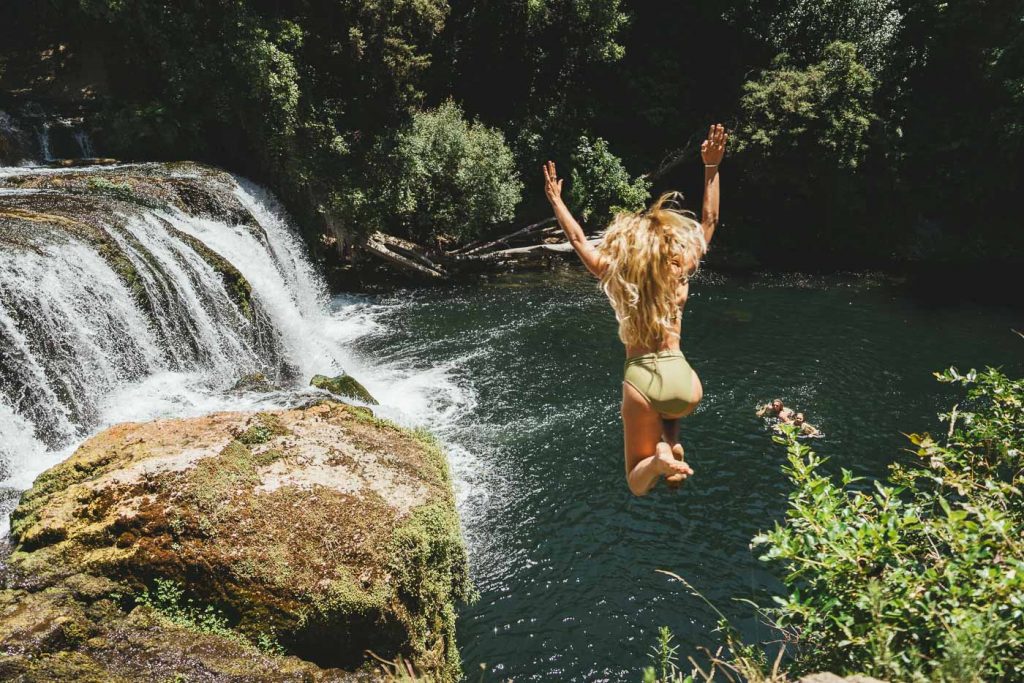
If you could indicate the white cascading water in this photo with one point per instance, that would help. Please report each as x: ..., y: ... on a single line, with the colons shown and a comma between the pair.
x: 78, y: 353
x: 196, y: 318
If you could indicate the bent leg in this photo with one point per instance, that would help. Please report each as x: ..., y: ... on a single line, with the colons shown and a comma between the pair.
x: 642, y: 432
x: 670, y: 427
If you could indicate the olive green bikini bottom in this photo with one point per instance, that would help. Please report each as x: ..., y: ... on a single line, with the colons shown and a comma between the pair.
x: 664, y: 378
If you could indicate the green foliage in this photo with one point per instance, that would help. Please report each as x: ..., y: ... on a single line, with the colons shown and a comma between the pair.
x: 169, y: 601
x: 121, y: 191
x: 601, y: 185
x: 809, y: 26
x: 446, y: 178
x: 293, y: 94
x: 262, y: 428
x: 803, y: 137
x: 920, y: 578
x: 821, y: 114
x: 666, y: 658
x: 886, y: 130
x: 530, y: 67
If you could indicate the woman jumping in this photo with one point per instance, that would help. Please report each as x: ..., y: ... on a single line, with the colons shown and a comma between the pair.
x: 645, y: 261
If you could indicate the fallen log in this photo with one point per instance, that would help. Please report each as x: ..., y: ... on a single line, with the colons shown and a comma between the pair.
x: 558, y: 248
x: 412, y: 257
x: 405, y: 254
x: 477, y: 247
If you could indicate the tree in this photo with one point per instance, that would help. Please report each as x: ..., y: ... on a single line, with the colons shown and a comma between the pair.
x: 444, y: 178
x: 294, y: 94
x: 805, y: 29
x: 601, y: 185
x: 802, y: 137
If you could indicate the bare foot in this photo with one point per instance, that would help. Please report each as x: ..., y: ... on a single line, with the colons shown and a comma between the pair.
x: 682, y: 469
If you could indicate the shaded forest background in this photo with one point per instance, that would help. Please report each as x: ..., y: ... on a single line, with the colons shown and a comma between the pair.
x: 866, y: 133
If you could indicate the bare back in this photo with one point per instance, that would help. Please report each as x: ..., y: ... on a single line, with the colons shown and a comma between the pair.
x: 670, y: 342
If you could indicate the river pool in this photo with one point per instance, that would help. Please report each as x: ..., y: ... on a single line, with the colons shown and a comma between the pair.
x: 523, y: 376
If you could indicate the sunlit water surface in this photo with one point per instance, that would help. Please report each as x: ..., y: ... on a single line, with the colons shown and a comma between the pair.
x: 522, y: 380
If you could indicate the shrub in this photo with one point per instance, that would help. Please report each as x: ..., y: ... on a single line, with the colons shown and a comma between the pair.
x: 446, y: 178
x: 601, y: 185
x: 920, y: 578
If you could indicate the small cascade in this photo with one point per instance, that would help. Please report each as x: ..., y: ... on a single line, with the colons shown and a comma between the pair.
x: 198, y: 323
x: 84, y: 144
x: 43, y: 135
x: 63, y: 138
x: 70, y: 334
x: 37, y: 135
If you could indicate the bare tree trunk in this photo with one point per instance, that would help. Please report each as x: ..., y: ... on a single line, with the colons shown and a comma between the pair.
x: 477, y: 247
x: 404, y: 254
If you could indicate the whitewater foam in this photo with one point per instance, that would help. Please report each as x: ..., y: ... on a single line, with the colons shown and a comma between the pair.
x: 85, y: 355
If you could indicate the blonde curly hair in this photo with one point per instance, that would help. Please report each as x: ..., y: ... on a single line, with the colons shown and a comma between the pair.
x: 646, y: 256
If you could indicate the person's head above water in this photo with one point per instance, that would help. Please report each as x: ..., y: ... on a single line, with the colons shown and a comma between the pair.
x: 777, y: 405
x: 798, y: 419
x: 647, y: 254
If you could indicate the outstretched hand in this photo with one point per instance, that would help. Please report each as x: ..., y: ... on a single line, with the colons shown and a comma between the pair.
x: 713, y: 149
x: 552, y: 183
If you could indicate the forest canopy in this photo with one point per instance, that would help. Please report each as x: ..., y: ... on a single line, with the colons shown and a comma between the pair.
x: 868, y: 131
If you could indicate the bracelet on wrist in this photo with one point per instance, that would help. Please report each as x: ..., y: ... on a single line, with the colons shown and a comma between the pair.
x: 710, y: 165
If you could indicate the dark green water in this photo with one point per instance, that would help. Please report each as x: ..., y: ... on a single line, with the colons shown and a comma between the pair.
x: 563, y: 556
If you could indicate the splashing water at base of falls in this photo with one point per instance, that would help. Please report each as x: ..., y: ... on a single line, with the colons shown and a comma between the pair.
x: 84, y: 346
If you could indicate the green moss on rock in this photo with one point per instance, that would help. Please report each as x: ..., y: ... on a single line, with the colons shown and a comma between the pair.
x: 330, y: 529
x: 343, y: 386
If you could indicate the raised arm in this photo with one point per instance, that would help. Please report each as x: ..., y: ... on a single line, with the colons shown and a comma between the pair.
x: 577, y: 238
x: 711, y: 151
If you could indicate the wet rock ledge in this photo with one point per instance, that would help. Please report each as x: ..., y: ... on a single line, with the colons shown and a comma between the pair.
x: 237, y: 547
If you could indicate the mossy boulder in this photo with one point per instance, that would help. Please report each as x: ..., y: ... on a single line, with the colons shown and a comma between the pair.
x: 343, y: 386
x: 63, y: 634
x: 322, y: 529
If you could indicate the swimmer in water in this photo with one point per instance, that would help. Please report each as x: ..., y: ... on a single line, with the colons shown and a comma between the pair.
x: 776, y: 409
x: 645, y: 261
x: 806, y: 428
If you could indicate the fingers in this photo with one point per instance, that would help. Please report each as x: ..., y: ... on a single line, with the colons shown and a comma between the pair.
x: 550, y: 174
x: 716, y: 136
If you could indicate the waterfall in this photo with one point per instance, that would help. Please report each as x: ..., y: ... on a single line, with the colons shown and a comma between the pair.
x: 39, y: 135
x: 84, y: 144
x: 43, y: 134
x: 118, y: 303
